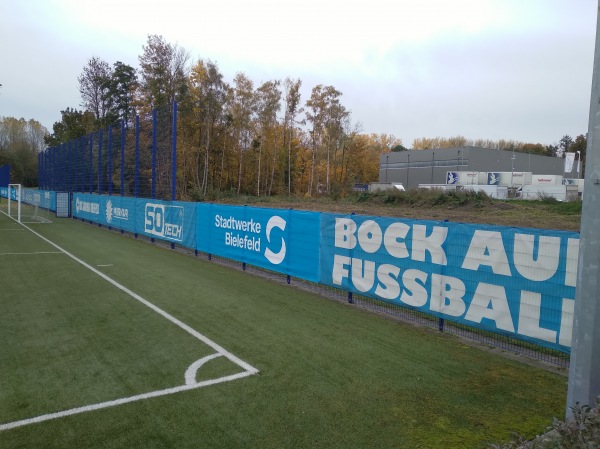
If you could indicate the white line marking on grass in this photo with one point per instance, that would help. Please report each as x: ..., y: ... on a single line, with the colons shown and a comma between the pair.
x: 105, y: 265
x: 31, y: 254
x: 11, y: 229
x: 190, y: 374
x: 139, y: 397
x: 190, y: 383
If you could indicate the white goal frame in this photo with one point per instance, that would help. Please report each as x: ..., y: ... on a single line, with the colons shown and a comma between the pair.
x: 19, y: 190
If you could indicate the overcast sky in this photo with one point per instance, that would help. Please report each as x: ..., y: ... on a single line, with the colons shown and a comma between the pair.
x: 505, y: 69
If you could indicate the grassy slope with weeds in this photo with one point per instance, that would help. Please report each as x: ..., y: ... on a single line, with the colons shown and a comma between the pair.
x: 463, y: 207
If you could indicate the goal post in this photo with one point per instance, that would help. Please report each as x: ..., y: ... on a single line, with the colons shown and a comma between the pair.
x: 25, y: 205
x: 14, y: 201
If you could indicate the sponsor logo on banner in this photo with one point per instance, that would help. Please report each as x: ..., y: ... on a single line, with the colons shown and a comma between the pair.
x: 246, y: 235
x: 493, y: 179
x: 452, y: 177
x: 87, y: 206
x: 164, y: 221
x: 275, y: 258
x: 118, y: 213
x: 518, y: 282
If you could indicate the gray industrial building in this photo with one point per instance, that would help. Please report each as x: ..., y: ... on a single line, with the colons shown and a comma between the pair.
x: 412, y: 168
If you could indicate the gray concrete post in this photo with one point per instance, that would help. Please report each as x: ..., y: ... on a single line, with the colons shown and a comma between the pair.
x: 584, y: 371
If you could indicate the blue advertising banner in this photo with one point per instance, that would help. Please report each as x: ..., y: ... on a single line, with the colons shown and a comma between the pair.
x: 172, y: 221
x: 515, y: 281
x: 45, y: 199
x: 285, y: 241
x: 4, y: 192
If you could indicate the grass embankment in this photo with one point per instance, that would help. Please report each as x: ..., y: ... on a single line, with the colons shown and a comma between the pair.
x: 464, y: 207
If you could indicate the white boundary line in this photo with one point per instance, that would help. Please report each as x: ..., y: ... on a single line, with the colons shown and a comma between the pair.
x: 190, y: 374
x: 31, y: 254
x: 107, y: 404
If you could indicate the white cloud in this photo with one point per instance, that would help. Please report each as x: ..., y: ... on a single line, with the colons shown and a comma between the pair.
x: 481, y: 68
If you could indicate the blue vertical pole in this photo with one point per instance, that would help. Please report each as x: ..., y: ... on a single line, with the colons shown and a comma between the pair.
x: 75, y: 164
x: 82, y: 155
x: 70, y: 164
x: 91, y: 177
x: 49, y: 168
x: 174, y: 157
x: 137, y: 156
x: 62, y: 166
x: 153, y: 153
x: 58, y: 167
x: 100, y: 162
x: 122, y: 157
x: 53, y: 168
x: 44, y: 174
x: 66, y: 166
x: 41, y: 179
x: 110, y: 167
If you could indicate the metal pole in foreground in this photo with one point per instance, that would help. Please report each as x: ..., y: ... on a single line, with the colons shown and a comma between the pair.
x: 584, y: 371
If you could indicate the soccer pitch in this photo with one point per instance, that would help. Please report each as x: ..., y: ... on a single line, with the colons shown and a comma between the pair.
x: 111, y: 342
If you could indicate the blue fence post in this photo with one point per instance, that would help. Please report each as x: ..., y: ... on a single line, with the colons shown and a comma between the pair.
x: 137, y: 157
x: 82, y: 154
x: 350, y: 299
x: 68, y: 166
x: 174, y: 158
x: 122, y: 157
x: 100, y: 162
x: 70, y: 181
x: 91, y: 166
x: 57, y: 166
x: 153, y: 154
x: 110, y: 159
x: 441, y: 325
x: 63, y: 165
x: 40, y: 168
x: 153, y: 186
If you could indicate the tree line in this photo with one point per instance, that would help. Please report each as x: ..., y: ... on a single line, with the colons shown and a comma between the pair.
x: 242, y: 137
x: 566, y: 144
x: 20, y: 142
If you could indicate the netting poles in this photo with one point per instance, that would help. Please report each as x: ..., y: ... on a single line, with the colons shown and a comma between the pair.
x: 82, y: 155
x: 137, y: 157
x: 110, y: 159
x: 100, y: 162
x: 122, y: 157
x: 154, y: 124
x: 174, y: 158
x: 91, y: 142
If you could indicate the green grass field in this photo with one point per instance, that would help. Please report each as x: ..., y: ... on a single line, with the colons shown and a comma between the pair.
x: 96, y: 344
